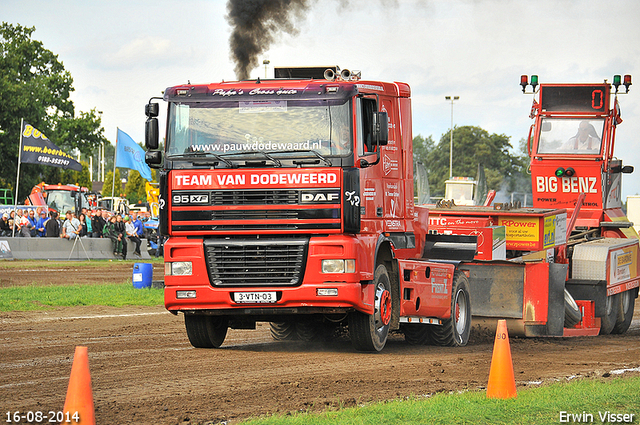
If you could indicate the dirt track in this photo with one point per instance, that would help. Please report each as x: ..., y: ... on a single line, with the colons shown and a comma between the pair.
x: 144, y: 371
x: 70, y: 272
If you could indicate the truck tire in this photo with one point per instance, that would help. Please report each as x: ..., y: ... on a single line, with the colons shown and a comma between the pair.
x: 206, y: 331
x: 282, y: 331
x: 608, y: 321
x: 416, y: 334
x: 455, y: 330
x: 572, y: 314
x: 625, y: 314
x: 307, y: 331
x: 369, y: 332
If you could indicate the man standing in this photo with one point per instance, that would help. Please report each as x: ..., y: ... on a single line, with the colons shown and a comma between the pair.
x: 97, y: 224
x: 52, y: 226
x: 122, y: 234
x: 70, y: 227
x: 138, y: 225
x: 41, y: 230
x: 33, y: 222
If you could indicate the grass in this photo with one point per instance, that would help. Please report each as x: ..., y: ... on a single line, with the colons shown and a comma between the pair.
x: 6, y: 265
x: 532, y: 406
x: 36, y: 297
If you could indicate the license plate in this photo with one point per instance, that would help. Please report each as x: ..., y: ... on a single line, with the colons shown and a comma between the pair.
x: 254, y: 297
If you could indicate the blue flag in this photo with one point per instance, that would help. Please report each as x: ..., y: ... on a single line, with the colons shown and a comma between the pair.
x: 130, y: 155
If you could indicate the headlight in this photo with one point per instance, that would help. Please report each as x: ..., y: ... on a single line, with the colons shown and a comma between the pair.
x: 338, y: 266
x: 178, y: 268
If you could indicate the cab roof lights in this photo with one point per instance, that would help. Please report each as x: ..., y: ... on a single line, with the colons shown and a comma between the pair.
x: 524, y: 82
x: 617, y: 81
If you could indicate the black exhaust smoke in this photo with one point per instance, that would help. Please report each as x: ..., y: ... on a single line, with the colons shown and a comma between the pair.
x: 255, y: 25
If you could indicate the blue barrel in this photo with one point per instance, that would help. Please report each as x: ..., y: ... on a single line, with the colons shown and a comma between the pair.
x: 142, y: 275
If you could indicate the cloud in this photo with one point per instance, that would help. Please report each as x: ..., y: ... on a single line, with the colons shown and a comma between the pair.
x: 140, y: 52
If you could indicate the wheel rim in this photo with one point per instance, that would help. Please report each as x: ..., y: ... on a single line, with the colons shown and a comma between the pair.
x: 382, y: 313
x: 461, y: 312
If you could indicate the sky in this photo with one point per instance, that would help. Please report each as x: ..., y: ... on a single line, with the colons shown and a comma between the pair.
x: 121, y: 53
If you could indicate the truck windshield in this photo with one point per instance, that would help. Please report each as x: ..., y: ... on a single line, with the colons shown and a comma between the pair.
x: 63, y: 201
x: 232, y: 127
x: 570, y: 136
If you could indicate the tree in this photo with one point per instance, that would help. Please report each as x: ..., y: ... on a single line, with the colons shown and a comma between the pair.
x: 422, y: 147
x: 35, y: 86
x: 135, y: 189
x: 473, y: 146
x: 81, y: 178
x: 107, y: 187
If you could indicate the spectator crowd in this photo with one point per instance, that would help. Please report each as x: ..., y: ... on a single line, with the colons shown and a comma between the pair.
x: 119, y: 229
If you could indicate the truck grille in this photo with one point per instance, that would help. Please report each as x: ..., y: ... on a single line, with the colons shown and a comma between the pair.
x: 255, y: 262
x: 254, y: 197
x: 215, y: 211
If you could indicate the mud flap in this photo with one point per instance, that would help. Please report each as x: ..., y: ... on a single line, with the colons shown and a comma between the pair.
x: 555, y: 315
x: 496, y: 290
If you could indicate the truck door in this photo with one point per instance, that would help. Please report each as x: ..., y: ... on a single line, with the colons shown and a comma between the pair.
x: 382, y: 189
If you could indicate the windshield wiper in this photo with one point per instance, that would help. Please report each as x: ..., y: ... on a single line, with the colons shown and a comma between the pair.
x: 316, y: 153
x: 201, y: 154
x: 265, y: 154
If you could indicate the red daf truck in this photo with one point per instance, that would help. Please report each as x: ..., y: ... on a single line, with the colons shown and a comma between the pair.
x: 290, y: 201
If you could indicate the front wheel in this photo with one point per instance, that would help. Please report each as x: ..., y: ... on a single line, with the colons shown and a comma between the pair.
x: 455, y: 330
x: 627, y: 303
x: 369, y: 332
x: 206, y: 331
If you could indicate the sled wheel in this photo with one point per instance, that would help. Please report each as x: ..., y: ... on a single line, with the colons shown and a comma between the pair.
x: 206, y: 331
x: 369, y: 332
x: 627, y: 303
x: 572, y: 314
x: 455, y: 330
x: 608, y: 321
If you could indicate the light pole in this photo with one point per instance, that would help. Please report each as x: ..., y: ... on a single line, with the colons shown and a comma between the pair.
x: 452, y: 99
x: 266, y: 63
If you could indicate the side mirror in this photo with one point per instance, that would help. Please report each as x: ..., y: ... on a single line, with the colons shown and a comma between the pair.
x: 381, y: 128
x: 153, y: 159
x: 151, y: 110
x: 627, y: 169
x: 151, y: 133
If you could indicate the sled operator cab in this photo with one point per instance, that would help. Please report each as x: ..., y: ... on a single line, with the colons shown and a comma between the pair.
x: 571, y: 145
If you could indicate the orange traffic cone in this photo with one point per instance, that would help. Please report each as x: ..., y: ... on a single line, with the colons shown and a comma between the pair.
x: 502, y: 383
x: 78, y: 405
